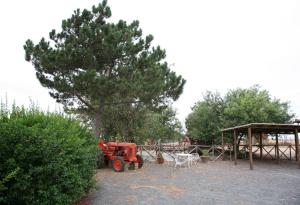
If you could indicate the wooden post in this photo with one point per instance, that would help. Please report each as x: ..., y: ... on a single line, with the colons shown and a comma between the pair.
x: 234, y: 147
x: 230, y: 152
x: 222, y: 139
x: 297, y: 147
x: 290, y: 146
x: 250, y: 147
x: 296, y: 142
x: 260, y: 146
x: 277, y: 149
x: 141, y: 151
x: 223, y: 149
x: 173, y: 148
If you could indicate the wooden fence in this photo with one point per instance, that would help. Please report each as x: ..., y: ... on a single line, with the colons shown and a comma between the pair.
x: 281, y: 152
x: 215, y: 151
x: 273, y: 152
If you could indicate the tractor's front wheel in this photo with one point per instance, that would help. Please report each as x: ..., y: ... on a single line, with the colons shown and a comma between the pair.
x: 140, y: 161
x: 118, y: 164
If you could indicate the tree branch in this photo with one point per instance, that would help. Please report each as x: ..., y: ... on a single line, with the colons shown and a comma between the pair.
x: 123, y: 102
x: 85, y: 102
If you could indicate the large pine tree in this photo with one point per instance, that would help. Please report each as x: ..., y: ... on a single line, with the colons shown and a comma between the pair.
x: 91, y: 64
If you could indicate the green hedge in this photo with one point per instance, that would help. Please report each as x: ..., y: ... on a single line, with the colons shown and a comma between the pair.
x: 45, y: 158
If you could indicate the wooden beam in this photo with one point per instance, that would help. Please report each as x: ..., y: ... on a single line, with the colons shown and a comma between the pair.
x: 297, y: 147
x: 223, y: 149
x: 234, y: 147
x: 230, y: 152
x: 141, y: 151
x: 269, y: 152
x: 283, y: 153
x: 290, y: 147
x: 260, y: 146
x: 296, y: 142
x: 277, y: 149
x: 222, y: 139
x: 149, y: 153
x: 250, y: 147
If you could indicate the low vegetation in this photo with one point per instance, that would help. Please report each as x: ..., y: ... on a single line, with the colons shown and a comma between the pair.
x: 45, y: 158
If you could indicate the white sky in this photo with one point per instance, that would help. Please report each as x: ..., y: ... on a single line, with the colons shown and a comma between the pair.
x: 214, y: 45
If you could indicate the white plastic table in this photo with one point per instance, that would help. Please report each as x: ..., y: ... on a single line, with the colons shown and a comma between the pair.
x: 188, y: 158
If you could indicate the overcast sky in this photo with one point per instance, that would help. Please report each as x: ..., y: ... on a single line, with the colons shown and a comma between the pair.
x: 214, y: 45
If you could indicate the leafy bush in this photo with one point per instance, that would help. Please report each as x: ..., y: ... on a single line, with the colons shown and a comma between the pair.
x: 205, y: 152
x: 45, y: 158
x: 100, y: 159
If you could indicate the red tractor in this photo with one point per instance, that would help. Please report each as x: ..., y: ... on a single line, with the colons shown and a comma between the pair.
x: 120, y: 153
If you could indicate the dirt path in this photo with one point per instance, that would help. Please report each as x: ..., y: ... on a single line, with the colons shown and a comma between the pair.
x: 212, y: 183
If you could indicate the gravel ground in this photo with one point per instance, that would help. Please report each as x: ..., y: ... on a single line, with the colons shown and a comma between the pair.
x: 211, y: 183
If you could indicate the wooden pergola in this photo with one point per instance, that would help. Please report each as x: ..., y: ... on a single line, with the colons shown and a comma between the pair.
x: 260, y: 128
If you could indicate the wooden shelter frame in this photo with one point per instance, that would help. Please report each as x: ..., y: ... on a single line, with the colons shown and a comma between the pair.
x: 266, y: 128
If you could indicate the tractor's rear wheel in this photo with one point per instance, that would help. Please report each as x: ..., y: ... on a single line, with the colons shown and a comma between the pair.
x: 140, y: 161
x: 118, y: 164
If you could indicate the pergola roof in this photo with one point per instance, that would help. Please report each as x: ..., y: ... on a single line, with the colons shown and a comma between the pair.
x: 269, y: 128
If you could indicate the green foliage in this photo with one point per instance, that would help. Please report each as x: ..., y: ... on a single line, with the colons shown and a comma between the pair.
x: 6, y: 179
x: 205, y: 152
x: 45, y: 158
x: 100, y: 159
x: 122, y: 122
x: 251, y: 105
x: 237, y: 107
x: 92, y: 64
x: 139, y: 124
x: 160, y: 125
x: 204, y: 123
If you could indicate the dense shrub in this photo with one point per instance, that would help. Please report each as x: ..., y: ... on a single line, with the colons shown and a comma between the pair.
x: 45, y: 158
x: 100, y: 159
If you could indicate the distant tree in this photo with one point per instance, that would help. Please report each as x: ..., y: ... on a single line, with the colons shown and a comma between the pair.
x: 204, y: 122
x: 239, y: 106
x: 160, y: 126
x: 252, y: 105
x: 122, y: 121
x: 92, y: 65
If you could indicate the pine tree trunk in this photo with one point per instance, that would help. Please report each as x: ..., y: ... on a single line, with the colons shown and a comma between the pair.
x: 97, y: 122
x: 96, y: 125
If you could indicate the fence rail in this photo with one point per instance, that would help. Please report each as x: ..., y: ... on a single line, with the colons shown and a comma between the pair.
x: 216, y: 151
x: 285, y: 152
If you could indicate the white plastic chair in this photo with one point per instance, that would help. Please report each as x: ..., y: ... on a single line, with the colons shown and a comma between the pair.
x: 180, y: 161
x: 196, y: 158
x: 170, y: 160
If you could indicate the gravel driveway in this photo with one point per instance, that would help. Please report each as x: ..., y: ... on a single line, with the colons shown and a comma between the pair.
x: 212, y: 183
